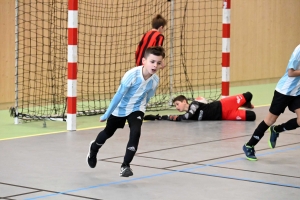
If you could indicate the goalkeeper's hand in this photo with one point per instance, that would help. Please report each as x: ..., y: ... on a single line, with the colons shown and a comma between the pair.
x: 163, y: 117
x: 169, y: 117
x: 173, y: 117
x: 152, y: 117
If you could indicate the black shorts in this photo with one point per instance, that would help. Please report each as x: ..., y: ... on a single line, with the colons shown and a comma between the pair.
x: 134, y: 119
x: 281, y: 101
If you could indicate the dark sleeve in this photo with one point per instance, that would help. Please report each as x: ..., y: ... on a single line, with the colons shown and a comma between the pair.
x: 191, y: 112
x: 188, y: 115
x: 139, y: 51
x: 159, y: 40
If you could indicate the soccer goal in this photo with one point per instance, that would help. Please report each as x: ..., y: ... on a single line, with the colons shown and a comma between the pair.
x: 108, y: 34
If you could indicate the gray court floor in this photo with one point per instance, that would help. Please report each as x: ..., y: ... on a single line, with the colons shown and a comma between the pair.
x: 175, y: 160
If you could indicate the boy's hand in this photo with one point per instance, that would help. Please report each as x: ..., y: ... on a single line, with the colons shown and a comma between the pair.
x: 173, y: 117
x: 102, y: 120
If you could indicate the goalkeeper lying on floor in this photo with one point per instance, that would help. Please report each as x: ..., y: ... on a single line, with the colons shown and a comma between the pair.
x: 225, y: 109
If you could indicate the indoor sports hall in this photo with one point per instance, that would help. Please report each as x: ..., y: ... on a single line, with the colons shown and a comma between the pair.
x: 214, y: 49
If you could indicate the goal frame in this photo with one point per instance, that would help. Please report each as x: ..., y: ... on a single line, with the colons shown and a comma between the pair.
x: 73, y: 56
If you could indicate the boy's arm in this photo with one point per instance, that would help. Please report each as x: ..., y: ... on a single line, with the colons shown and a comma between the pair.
x: 293, y: 73
x: 115, y: 101
x: 159, y: 40
x: 150, y: 94
x: 188, y: 115
x: 173, y: 117
x: 294, y: 63
x: 137, y: 52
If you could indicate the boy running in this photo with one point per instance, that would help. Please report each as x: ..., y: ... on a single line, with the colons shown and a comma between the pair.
x: 286, y: 94
x: 137, y: 86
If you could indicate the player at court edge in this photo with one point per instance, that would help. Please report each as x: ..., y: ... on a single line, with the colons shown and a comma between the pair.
x: 286, y: 94
x: 137, y: 86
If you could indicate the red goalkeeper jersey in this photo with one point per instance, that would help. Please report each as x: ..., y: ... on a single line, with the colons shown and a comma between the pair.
x: 150, y: 39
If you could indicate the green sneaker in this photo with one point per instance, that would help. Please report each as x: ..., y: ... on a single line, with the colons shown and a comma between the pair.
x: 249, y: 152
x: 273, y: 137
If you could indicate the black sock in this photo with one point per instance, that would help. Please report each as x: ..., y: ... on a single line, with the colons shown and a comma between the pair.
x: 125, y: 164
x: 258, y: 134
x: 250, y: 115
x: 289, y: 125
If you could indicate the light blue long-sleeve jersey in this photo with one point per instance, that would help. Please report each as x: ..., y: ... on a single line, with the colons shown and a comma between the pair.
x: 133, y: 94
x: 290, y: 85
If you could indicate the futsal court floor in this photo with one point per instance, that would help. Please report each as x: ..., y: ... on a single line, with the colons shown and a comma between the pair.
x: 175, y: 160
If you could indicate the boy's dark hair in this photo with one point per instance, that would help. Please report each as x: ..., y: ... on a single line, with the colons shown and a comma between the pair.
x: 158, y: 51
x: 158, y: 21
x: 180, y: 98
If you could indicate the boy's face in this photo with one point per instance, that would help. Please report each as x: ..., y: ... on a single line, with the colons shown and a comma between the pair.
x: 180, y: 105
x: 152, y: 63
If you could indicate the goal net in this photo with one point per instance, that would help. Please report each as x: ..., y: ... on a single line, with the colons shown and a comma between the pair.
x: 108, y: 34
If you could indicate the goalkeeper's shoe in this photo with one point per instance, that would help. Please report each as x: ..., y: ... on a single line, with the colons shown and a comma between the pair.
x: 249, y: 152
x: 273, y: 137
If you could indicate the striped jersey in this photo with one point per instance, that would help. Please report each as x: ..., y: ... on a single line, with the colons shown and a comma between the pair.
x: 290, y: 85
x: 150, y: 39
x: 133, y: 94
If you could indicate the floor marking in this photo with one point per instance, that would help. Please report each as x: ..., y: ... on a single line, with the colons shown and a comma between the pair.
x: 250, y: 180
x: 49, y: 133
x: 184, y: 170
x: 25, y: 136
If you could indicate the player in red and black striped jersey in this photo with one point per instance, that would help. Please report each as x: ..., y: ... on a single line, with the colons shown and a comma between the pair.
x: 225, y: 109
x: 152, y: 38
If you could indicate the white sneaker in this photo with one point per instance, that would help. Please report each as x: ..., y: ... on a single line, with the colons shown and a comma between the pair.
x: 126, y: 171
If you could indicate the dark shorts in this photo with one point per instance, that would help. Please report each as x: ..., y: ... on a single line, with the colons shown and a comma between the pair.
x: 281, y: 101
x: 134, y: 119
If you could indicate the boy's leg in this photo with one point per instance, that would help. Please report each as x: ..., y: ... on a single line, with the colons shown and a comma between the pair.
x: 230, y: 107
x: 113, y: 123
x: 289, y: 125
x: 232, y: 102
x: 259, y: 132
x: 135, y: 121
x: 294, y: 106
x: 239, y: 115
x: 277, y: 107
x: 235, y: 115
x: 250, y: 115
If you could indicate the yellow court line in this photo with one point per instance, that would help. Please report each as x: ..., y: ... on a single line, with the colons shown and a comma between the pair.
x: 81, y: 129
x: 262, y: 106
x: 41, y: 134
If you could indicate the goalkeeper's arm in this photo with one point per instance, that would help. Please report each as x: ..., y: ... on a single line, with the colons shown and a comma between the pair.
x: 152, y: 117
x: 164, y: 117
x: 172, y: 117
x: 188, y: 115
